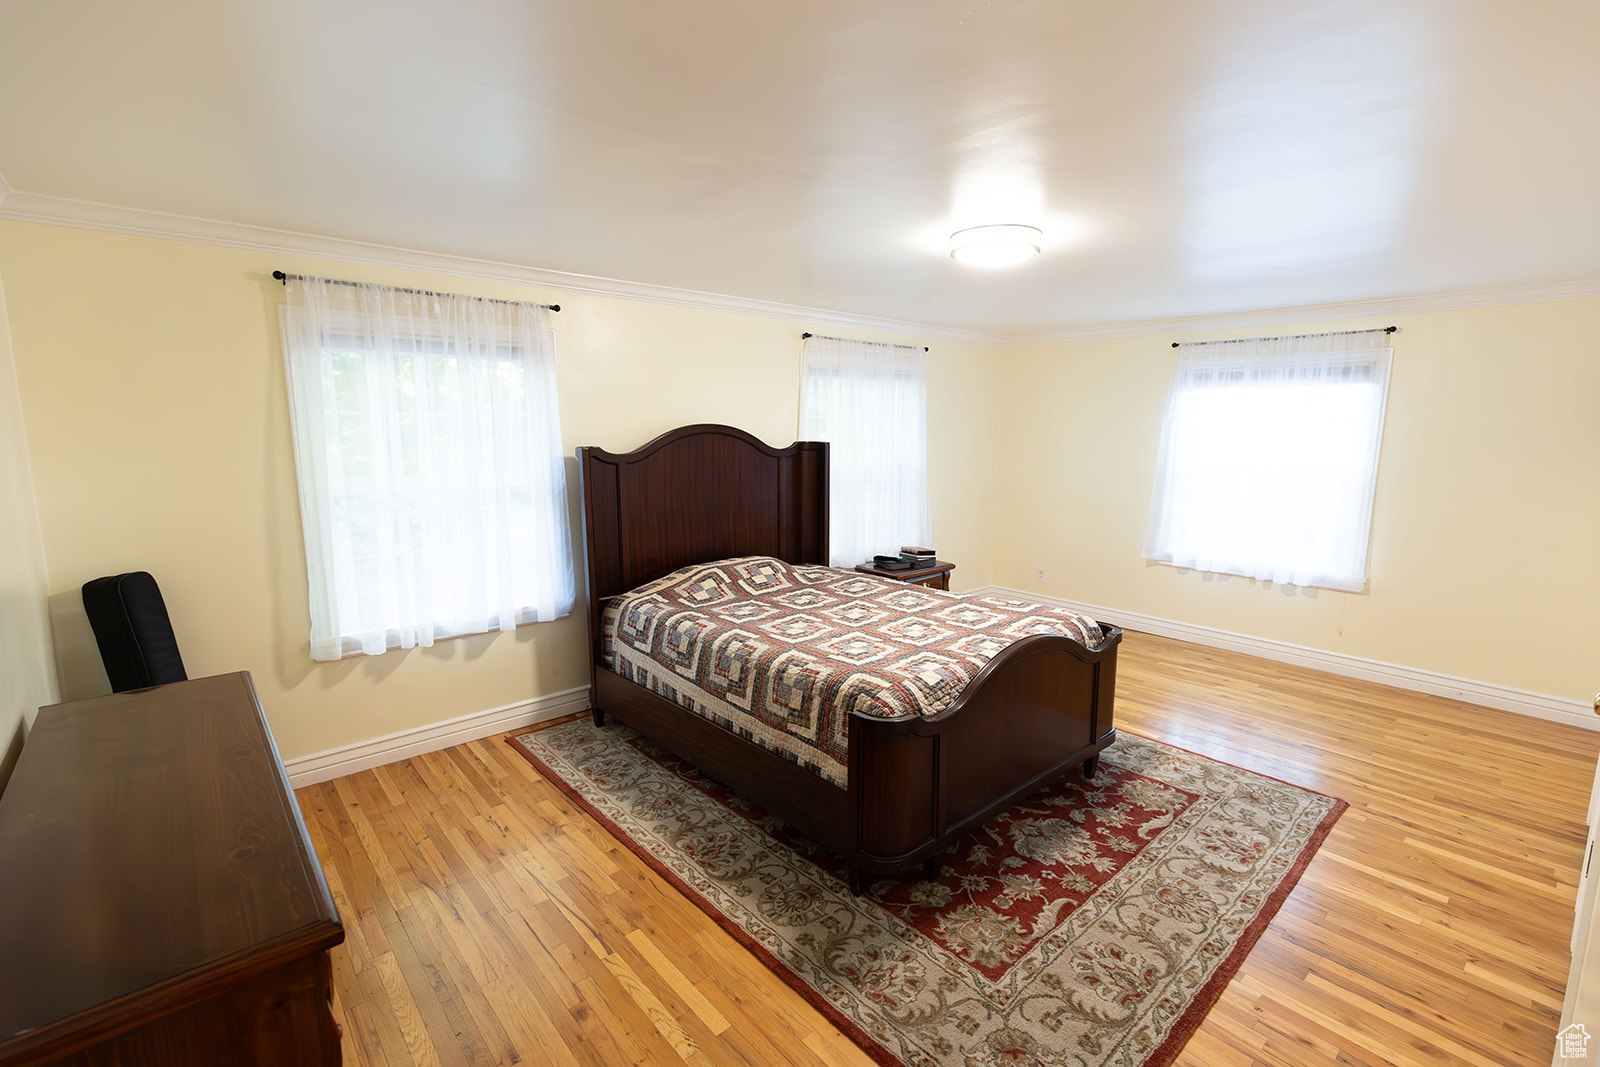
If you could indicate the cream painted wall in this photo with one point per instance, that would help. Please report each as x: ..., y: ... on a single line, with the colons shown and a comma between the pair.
x: 151, y: 379
x: 27, y: 673
x: 1483, y: 563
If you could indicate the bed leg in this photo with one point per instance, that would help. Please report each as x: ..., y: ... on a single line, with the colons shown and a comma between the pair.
x: 858, y: 880
x: 1090, y: 765
x: 599, y: 717
x: 930, y: 868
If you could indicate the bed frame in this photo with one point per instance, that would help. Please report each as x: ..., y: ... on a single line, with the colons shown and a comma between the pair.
x: 707, y: 492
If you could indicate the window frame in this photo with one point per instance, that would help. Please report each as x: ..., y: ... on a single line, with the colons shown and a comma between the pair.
x: 346, y: 332
x: 1264, y: 365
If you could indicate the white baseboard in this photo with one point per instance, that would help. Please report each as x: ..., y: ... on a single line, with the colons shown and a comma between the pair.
x: 337, y: 762
x: 1488, y: 694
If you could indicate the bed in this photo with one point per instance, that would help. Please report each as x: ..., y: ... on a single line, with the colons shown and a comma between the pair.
x: 715, y: 496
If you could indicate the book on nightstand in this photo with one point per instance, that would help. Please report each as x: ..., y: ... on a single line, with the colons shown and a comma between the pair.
x: 920, y: 557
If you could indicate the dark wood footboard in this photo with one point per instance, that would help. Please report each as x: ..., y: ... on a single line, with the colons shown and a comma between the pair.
x: 1038, y: 709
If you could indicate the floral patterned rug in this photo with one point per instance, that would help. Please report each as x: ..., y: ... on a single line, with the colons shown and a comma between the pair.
x: 1093, y: 924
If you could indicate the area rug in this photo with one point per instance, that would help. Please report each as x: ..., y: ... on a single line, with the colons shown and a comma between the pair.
x: 1093, y: 924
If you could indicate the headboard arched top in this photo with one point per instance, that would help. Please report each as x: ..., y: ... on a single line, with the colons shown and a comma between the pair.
x: 695, y: 494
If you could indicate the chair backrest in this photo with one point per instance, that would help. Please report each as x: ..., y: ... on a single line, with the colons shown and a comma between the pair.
x: 131, y: 627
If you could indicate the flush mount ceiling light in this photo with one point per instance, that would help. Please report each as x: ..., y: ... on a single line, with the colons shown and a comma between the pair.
x: 995, y: 246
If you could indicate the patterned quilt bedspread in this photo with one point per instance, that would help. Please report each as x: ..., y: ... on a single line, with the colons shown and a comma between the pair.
x: 782, y: 654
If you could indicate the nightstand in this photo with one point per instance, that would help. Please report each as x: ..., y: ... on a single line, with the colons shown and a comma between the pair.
x: 934, y: 576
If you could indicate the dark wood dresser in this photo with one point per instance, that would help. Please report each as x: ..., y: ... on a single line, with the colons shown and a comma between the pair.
x: 160, y: 901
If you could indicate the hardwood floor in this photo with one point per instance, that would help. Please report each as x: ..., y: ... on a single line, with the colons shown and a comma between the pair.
x: 489, y: 920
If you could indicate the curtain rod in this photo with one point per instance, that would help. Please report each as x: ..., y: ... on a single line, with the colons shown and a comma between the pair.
x: 824, y: 337
x: 1288, y: 337
x: 284, y: 278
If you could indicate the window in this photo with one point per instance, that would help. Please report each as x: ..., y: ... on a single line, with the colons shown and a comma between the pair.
x: 869, y: 402
x: 1269, y: 458
x: 428, y: 448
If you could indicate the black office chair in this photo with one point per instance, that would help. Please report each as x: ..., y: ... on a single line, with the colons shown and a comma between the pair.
x: 131, y: 627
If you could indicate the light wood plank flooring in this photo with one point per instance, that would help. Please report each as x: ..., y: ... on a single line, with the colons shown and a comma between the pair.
x: 488, y: 920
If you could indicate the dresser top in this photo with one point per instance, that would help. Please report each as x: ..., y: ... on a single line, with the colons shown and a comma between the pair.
x: 151, y: 854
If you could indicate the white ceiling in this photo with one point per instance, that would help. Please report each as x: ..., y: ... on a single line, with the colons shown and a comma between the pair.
x: 1183, y: 159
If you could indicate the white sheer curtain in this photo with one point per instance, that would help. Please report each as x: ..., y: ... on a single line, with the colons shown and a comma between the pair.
x: 1269, y: 458
x: 428, y: 446
x: 869, y: 401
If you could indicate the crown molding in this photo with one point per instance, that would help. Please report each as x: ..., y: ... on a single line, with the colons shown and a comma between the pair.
x: 112, y: 218
x: 1583, y: 289
x: 139, y: 222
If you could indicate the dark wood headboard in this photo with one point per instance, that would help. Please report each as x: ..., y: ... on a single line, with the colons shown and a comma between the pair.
x: 695, y: 494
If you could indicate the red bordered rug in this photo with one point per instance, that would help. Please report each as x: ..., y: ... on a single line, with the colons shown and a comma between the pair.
x: 1092, y: 924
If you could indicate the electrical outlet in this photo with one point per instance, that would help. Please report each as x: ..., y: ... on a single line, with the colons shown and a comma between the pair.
x: 1038, y: 575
